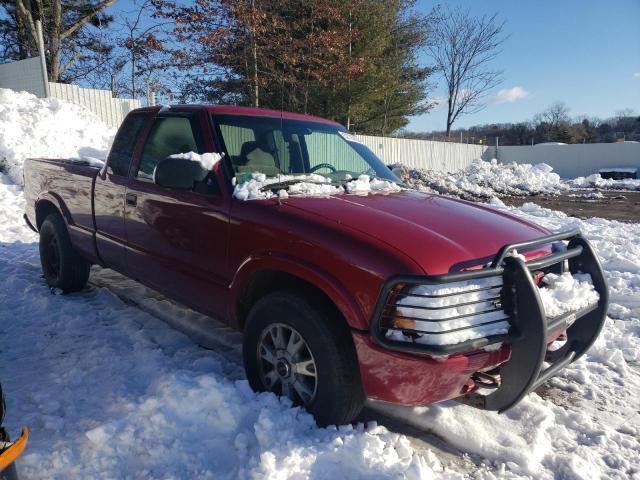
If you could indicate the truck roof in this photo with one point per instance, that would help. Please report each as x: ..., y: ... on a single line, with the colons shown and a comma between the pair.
x: 251, y: 111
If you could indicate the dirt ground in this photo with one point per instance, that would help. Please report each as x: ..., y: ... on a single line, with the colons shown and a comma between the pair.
x: 616, y: 205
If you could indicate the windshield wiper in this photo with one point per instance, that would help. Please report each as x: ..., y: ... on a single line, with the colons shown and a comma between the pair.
x: 287, y: 183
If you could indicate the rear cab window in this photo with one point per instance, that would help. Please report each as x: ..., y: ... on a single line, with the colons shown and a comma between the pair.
x: 121, y: 154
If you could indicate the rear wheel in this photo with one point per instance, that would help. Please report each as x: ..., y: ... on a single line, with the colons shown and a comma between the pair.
x: 62, y: 266
x: 303, y: 352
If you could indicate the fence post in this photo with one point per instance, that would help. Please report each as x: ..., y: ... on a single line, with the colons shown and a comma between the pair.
x: 43, y: 59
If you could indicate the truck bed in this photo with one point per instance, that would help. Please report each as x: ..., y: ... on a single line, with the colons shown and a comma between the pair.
x: 68, y: 184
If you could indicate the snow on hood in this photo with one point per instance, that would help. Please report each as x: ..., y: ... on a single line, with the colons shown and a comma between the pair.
x: 47, y: 127
x: 313, y: 185
x: 207, y: 160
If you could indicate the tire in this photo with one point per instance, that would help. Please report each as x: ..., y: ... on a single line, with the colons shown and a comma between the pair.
x: 62, y: 266
x: 337, y: 397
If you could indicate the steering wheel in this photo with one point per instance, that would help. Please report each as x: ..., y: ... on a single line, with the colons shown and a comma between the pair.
x: 323, y: 165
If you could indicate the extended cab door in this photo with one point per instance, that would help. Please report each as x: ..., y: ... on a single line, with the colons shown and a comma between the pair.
x: 177, y: 240
x: 109, y: 192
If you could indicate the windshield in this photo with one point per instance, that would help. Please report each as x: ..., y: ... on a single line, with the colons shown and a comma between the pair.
x: 275, y: 147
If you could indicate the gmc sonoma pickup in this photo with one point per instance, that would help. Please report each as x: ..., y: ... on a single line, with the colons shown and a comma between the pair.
x: 347, y: 285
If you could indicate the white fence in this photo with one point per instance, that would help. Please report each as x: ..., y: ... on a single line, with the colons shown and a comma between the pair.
x: 442, y: 156
x: 571, y: 161
x: 110, y: 110
x: 26, y: 75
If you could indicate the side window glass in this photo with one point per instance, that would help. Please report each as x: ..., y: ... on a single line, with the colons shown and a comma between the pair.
x: 168, y: 136
x: 121, y: 152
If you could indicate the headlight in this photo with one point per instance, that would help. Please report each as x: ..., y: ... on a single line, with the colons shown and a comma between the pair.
x: 446, y: 314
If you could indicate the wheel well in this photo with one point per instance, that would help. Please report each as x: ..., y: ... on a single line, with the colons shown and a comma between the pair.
x: 264, y: 282
x: 43, y: 209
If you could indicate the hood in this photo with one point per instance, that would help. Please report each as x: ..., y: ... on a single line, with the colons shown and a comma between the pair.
x: 441, y: 234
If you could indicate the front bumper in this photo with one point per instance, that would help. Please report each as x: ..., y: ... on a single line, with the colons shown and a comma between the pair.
x: 530, y: 329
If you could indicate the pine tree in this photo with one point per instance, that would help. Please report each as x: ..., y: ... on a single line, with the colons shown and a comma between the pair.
x: 355, y: 62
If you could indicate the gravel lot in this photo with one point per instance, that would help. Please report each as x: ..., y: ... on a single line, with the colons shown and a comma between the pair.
x: 618, y: 205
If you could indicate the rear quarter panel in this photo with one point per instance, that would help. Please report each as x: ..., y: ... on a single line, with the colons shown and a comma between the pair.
x: 69, y: 187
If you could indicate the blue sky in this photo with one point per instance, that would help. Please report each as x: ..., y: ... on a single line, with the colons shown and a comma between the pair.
x: 584, y: 53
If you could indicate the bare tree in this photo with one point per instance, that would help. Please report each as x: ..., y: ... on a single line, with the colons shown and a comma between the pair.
x: 554, y: 115
x: 463, y: 49
x: 68, y: 41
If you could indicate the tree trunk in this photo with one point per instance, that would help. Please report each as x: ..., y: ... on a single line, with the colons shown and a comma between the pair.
x: 54, y: 41
x: 133, y: 75
x: 254, y: 51
x: 349, y: 77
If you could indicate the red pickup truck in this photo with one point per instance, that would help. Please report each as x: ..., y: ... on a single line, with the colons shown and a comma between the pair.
x: 347, y: 285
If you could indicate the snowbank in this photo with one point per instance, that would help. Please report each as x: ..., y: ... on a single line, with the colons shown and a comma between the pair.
x: 34, y: 127
x: 596, y: 181
x: 483, y: 180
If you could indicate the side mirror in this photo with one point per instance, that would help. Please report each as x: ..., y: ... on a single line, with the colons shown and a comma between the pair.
x: 179, y: 173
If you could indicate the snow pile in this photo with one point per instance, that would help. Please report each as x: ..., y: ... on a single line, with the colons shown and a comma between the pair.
x: 207, y: 160
x: 257, y: 186
x: 365, y: 184
x: 483, y: 180
x: 567, y: 293
x: 596, y: 181
x: 34, y: 127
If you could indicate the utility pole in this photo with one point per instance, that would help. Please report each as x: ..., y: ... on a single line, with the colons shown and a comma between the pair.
x: 43, y: 59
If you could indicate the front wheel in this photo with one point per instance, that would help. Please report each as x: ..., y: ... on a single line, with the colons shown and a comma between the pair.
x: 303, y: 352
x: 62, y: 266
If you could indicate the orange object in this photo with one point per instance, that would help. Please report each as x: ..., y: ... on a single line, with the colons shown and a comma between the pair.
x: 10, y: 454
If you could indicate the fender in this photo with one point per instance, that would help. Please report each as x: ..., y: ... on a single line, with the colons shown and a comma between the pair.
x: 82, y: 238
x: 58, y: 202
x: 317, y: 276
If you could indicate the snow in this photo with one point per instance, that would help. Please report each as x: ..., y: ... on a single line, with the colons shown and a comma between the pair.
x: 483, y: 180
x: 565, y: 293
x: 255, y: 187
x: 584, y: 423
x: 559, y: 294
x: 596, y: 181
x: 314, y: 185
x: 111, y: 389
x: 365, y: 184
x: 34, y: 127
x: 207, y: 160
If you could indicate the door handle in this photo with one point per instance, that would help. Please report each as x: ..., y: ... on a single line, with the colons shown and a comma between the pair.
x: 132, y: 199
